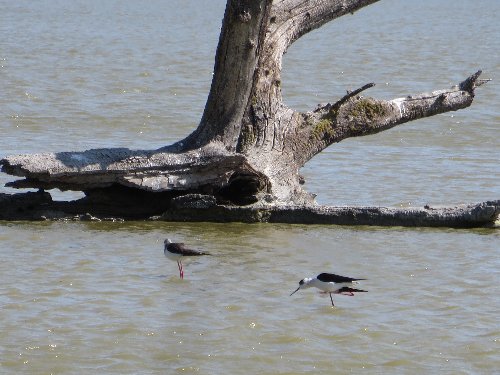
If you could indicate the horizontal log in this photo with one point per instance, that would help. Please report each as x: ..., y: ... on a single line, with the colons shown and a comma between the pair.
x: 198, y: 208
x: 462, y: 216
x: 155, y: 170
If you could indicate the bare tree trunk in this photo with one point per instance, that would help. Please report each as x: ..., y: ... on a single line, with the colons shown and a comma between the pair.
x: 249, y: 146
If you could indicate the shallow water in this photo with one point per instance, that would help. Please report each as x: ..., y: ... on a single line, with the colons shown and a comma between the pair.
x: 101, y: 297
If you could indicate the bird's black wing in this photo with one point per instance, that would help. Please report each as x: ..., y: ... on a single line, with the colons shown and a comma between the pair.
x: 176, y: 247
x: 193, y: 253
x: 180, y: 248
x: 332, y: 278
x: 350, y: 290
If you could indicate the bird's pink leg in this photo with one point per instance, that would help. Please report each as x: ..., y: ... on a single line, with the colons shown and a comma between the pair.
x: 179, y: 266
x: 182, y: 270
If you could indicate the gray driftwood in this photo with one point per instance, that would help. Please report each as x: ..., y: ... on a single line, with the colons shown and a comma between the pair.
x: 249, y: 146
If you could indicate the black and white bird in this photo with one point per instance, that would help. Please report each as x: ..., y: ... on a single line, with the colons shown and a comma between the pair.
x: 331, y: 283
x: 177, y: 250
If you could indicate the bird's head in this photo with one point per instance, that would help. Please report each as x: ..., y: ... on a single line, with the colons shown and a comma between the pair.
x: 303, y: 284
x: 167, y: 241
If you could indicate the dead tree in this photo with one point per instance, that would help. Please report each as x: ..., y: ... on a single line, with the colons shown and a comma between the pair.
x: 246, y: 153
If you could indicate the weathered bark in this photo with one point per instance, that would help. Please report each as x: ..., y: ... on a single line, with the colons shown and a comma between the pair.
x: 249, y: 146
x: 210, y: 170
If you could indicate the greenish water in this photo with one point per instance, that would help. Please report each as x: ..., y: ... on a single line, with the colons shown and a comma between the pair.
x: 101, y: 297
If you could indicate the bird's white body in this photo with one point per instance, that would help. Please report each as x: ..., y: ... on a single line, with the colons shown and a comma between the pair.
x: 172, y: 256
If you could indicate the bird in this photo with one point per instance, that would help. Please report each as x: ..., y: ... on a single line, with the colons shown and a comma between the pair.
x: 177, y: 250
x: 331, y: 283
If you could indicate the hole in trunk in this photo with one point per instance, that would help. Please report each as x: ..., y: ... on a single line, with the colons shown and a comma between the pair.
x: 242, y: 189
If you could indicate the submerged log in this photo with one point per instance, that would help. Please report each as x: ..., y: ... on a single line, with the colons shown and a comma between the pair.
x: 198, y: 208
x: 462, y: 216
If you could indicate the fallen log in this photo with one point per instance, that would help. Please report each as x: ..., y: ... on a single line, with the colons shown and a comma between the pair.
x: 199, y: 208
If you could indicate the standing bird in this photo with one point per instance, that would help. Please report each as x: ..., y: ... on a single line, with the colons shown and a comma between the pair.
x: 177, y: 250
x: 331, y: 283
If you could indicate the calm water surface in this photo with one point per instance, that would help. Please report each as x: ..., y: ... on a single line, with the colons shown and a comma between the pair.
x: 101, y: 298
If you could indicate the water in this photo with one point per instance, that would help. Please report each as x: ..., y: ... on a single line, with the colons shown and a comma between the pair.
x: 100, y: 297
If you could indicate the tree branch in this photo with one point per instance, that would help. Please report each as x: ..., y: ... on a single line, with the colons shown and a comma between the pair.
x: 355, y: 116
x: 472, y: 82
x: 299, y: 17
x: 351, y: 94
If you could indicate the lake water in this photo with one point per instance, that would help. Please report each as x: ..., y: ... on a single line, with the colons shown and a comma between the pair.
x: 101, y: 297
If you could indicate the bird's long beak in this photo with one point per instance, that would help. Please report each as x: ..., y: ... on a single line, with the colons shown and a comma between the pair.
x: 295, y: 290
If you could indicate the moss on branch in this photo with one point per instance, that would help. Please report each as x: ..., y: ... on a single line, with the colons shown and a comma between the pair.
x: 368, y: 109
x: 325, y: 127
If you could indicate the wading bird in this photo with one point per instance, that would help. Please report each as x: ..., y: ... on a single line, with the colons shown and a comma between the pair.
x: 331, y: 283
x: 177, y: 250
